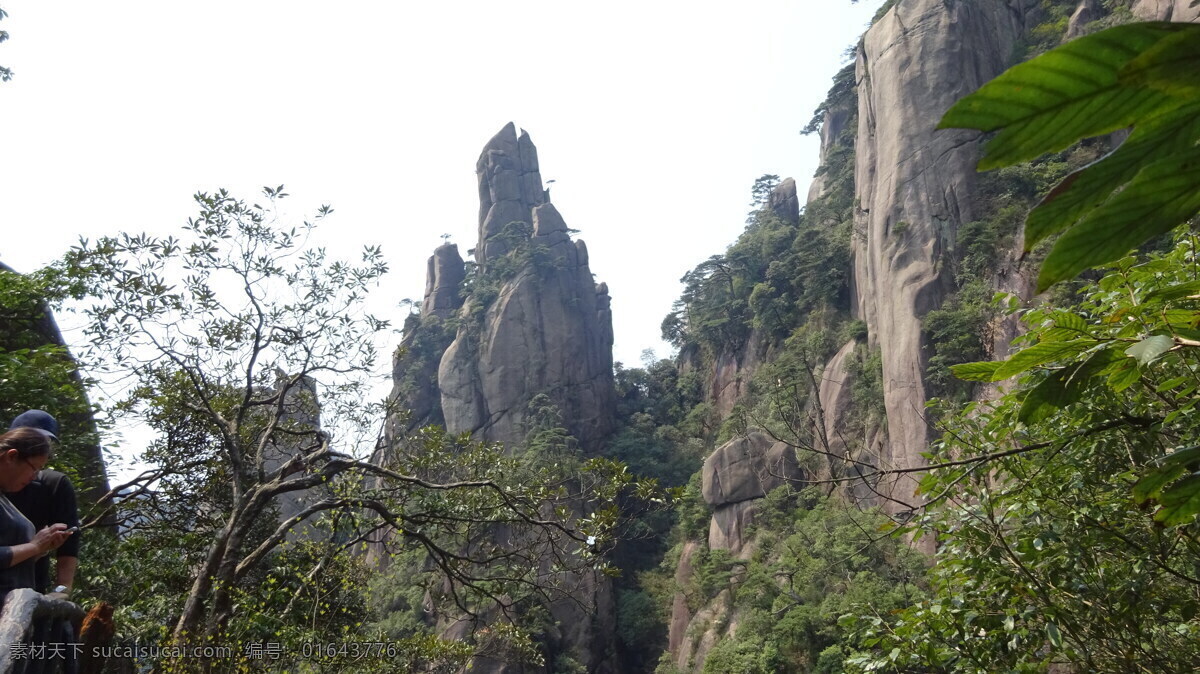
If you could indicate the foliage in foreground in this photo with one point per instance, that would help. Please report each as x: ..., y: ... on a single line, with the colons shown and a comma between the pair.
x: 249, y: 354
x: 1049, y: 551
x: 1141, y: 75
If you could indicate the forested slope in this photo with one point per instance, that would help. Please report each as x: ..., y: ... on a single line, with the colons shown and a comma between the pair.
x: 832, y: 332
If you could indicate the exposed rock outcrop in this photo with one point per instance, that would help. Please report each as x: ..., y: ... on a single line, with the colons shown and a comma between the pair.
x: 729, y: 527
x: 1085, y: 12
x: 747, y: 468
x: 301, y: 417
x: 915, y: 185
x: 444, y: 282
x: 549, y: 328
x: 1166, y: 10
x: 784, y: 202
x: 510, y: 187
x: 734, y: 480
x: 535, y: 326
x: 838, y: 116
x: 416, y: 400
x: 729, y: 374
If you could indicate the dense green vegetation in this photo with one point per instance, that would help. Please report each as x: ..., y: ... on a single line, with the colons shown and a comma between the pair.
x: 36, y: 372
x: 1065, y: 513
x: 813, y: 559
x: 1063, y: 508
x: 777, y: 272
x: 249, y: 523
x: 1048, y: 552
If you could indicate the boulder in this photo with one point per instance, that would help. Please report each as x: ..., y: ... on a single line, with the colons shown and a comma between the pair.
x: 729, y: 524
x: 747, y: 468
x: 1166, y: 10
x: 784, y: 202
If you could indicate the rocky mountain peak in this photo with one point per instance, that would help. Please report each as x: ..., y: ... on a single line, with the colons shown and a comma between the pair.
x: 510, y: 187
x: 544, y: 328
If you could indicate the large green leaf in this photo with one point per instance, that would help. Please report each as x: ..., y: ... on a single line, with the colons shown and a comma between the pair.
x: 1171, y: 65
x: 1039, y: 354
x: 1072, y: 92
x: 1151, y: 484
x: 1092, y: 185
x: 1172, y: 293
x: 1067, y: 326
x: 1053, y: 393
x: 1171, y: 466
x: 1162, y: 195
x: 1148, y: 350
x: 1181, y: 502
x: 979, y: 371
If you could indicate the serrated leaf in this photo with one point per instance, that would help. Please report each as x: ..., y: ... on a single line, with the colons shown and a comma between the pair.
x: 1039, y: 354
x: 1125, y: 376
x: 1148, y: 350
x: 1181, y: 502
x: 1092, y: 185
x: 1181, y: 457
x: 1151, y: 484
x: 1068, y: 93
x: 978, y: 371
x: 1162, y: 195
x: 1063, y: 387
x: 1055, y: 392
x: 1172, y: 65
x: 1171, y: 293
x: 1067, y: 326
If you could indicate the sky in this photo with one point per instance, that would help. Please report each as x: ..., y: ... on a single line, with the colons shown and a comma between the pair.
x: 653, y: 119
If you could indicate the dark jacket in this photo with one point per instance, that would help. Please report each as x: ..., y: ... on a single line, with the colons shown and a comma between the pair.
x: 49, y: 499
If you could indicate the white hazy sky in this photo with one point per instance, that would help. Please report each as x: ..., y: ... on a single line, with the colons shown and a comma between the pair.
x: 653, y: 117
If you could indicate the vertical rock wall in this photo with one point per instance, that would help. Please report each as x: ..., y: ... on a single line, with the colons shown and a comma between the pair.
x: 416, y: 400
x: 549, y: 328
x: 533, y: 323
x: 914, y: 185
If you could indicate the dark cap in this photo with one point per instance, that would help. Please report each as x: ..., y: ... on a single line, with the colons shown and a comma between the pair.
x: 37, y: 419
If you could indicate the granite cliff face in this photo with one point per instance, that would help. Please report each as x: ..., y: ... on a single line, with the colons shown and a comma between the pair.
x: 544, y: 327
x: 526, y: 322
x: 915, y: 185
x: 416, y: 398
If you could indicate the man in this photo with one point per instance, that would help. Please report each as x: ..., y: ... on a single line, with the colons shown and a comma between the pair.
x: 48, y: 499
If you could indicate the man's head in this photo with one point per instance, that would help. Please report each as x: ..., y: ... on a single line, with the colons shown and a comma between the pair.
x: 36, y: 419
